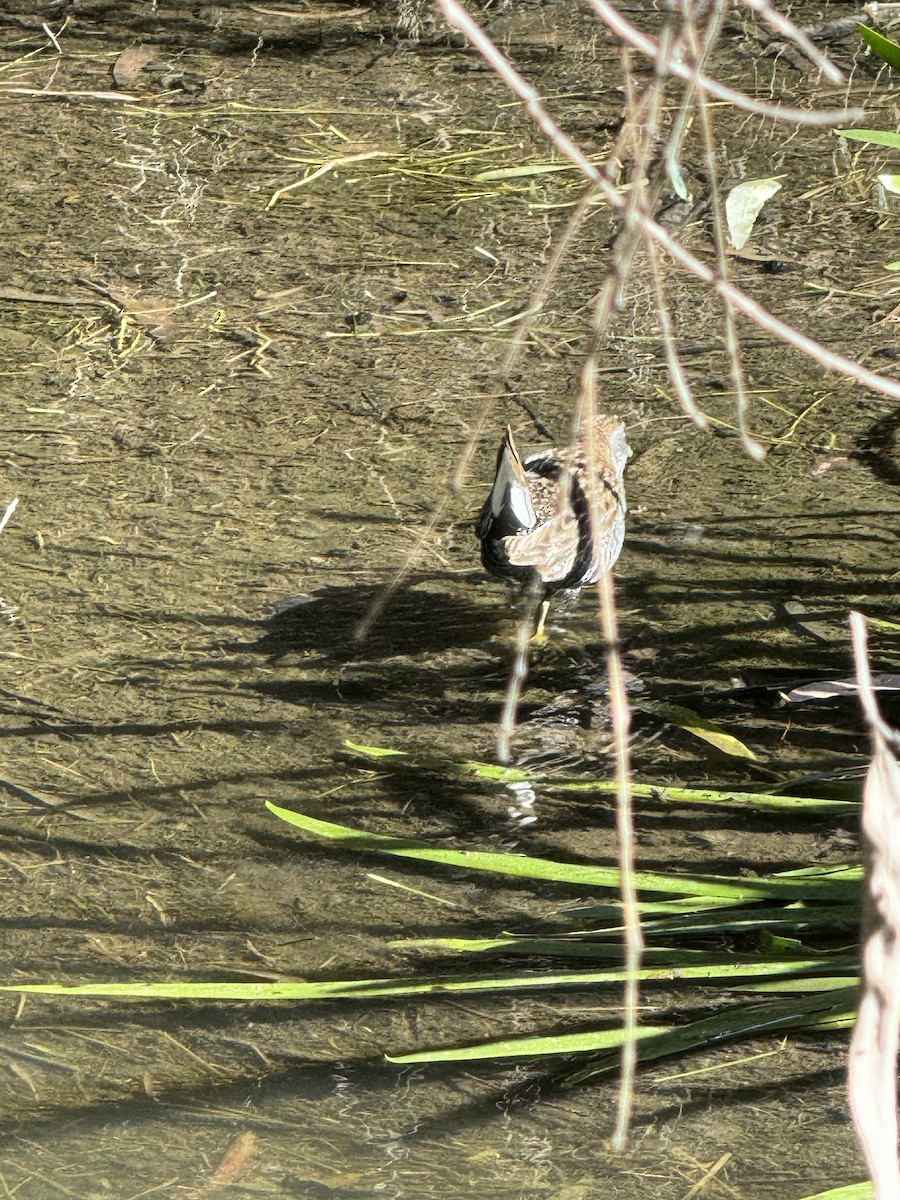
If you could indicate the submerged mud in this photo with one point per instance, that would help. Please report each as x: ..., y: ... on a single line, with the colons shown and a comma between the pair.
x: 250, y: 326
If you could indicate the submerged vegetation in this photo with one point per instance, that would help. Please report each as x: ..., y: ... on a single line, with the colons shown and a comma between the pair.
x: 788, y: 934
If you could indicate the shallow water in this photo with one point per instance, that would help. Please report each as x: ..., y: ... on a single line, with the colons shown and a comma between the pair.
x: 214, y: 488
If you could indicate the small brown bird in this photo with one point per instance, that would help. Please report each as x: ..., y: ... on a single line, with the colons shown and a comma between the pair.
x: 536, y: 527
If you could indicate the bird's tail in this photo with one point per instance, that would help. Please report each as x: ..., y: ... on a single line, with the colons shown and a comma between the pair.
x: 509, y: 508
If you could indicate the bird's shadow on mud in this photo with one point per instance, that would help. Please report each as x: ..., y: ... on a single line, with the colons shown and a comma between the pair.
x: 343, y: 624
x: 423, y: 654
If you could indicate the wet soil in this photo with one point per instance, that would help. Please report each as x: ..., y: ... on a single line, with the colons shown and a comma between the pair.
x: 231, y: 418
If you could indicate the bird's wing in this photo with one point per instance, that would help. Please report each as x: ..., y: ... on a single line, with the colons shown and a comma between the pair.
x: 550, y: 549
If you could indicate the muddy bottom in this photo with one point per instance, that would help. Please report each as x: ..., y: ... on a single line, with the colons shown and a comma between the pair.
x: 250, y: 322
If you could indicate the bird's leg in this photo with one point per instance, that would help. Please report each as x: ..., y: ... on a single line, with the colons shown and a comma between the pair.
x: 539, y: 637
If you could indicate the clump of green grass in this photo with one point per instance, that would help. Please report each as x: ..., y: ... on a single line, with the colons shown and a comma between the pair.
x: 784, y: 984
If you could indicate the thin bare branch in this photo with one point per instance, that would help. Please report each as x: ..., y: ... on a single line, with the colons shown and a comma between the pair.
x: 620, y: 714
x: 561, y: 247
x: 623, y: 29
x: 364, y: 625
x: 698, y: 54
x: 829, y: 359
x: 677, y: 377
x: 872, y: 1074
x: 517, y: 676
x: 631, y: 921
x: 786, y: 27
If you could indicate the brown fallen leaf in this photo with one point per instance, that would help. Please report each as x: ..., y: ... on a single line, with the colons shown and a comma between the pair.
x: 236, y: 1162
x: 130, y: 63
x: 153, y: 314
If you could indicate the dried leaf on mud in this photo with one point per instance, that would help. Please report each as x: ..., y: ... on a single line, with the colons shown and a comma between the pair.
x: 130, y: 64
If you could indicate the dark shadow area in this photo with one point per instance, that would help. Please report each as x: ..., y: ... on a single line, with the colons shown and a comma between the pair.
x: 415, y: 621
x: 224, y: 28
x: 879, y: 450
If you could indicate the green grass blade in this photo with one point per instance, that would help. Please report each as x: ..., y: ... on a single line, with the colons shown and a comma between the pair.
x: 248, y: 993
x: 818, y: 983
x: 441, y: 766
x: 736, y: 1022
x: 519, y: 1047
x: 881, y: 45
x: 580, y: 948
x: 852, y: 1191
x: 841, y: 882
x: 401, y: 760
x: 706, y: 796
x: 718, y: 971
x: 656, y: 1041
x: 795, y: 918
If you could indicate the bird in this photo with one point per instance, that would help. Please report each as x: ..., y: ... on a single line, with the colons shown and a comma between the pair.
x: 537, y: 528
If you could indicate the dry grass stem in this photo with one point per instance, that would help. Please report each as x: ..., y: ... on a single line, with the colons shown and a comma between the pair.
x: 10, y: 509
x: 9, y: 89
x: 331, y: 165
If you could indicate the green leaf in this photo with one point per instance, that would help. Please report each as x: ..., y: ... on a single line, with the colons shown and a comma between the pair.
x: 818, y: 983
x: 677, y: 959
x: 876, y: 137
x: 703, y: 729
x: 441, y: 766
x: 881, y: 45
x: 716, y: 970
x: 249, y: 993
x: 656, y: 1042
x: 676, y: 178
x: 744, y: 1020
x: 852, y: 1191
x: 880, y: 622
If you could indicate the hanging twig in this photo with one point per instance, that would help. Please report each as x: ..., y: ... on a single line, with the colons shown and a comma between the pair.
x: 872, y: 1076
x: 458, y: 16
x: 627, y: 32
